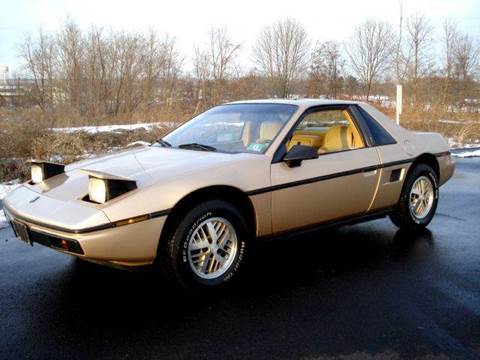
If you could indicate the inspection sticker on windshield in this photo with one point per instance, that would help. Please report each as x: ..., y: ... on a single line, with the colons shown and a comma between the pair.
x: 257, y: 147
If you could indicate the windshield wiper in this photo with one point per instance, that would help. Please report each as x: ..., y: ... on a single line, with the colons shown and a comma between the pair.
x: 196, y: 146
x: 163, y: 143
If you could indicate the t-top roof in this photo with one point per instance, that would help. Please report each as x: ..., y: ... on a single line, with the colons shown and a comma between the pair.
x: 299, y: 102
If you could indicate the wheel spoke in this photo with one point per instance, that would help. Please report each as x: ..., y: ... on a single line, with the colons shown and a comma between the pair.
x: 416, y: 190
x: 203, y: 234
x: 425, y: 203
x: 418, y: 207
x: 206, y: 263
x: 212, y: 232
x: 225, y: 236
x: 219, y: 258
x: 221, y: 230
x: 199, y: 245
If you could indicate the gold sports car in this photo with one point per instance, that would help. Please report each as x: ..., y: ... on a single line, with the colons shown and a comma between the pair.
x: 193, y: 202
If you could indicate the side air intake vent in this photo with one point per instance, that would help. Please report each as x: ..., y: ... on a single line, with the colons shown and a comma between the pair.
x: 395, y: 175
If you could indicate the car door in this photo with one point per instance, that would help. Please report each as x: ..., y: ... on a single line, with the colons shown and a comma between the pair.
x: 340, y: 183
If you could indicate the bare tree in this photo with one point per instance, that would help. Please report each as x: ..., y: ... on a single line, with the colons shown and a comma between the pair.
x: 281, y: 52
x: 98, y: 91
x: 370, y: 52
x: 39, y: 56
x: 466, y: 56
x: 101, y: 73
x: 202, y: 72
x: 418, y: 60
x: 70, y: 56
x: 171, y: 67
x: 450, y: 35
x: 460, y: 61
x: 215, y: 63
x: 222, y: 52
x: 327, y: 67
x: 161, y: 63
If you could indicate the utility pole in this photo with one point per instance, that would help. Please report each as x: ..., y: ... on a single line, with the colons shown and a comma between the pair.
x: 398, y: 60
x: 398, y: 104
x: 399, y: 45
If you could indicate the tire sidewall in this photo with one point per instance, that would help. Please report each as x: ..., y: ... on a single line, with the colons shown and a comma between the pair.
x: 185, y: 230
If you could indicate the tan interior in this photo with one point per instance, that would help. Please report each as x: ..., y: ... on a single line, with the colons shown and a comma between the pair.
x: 307, y: 138
x: 269, y: 129
x: 247, y: 133
x: 336, y: 138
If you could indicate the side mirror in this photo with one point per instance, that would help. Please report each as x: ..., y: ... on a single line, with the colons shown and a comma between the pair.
x: 298, y: 153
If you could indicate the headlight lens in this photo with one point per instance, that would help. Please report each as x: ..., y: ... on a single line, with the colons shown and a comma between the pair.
x: 101, y: 190
x: 37, y: 173
x: 97, y: 190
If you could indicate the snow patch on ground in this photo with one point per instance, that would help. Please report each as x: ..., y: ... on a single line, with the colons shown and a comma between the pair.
x: 5, y: 188
x: 139, y: 143
x: 466, y: 153
x: 115, y: 128
x: 3, y: 220
x: 456, y: 144
x: 464, y: 150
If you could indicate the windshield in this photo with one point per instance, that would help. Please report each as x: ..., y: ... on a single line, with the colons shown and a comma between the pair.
x: 232, y: 128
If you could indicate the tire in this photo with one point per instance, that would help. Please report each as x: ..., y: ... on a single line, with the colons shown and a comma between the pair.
x: 405, y: 216
x: 186, y: 257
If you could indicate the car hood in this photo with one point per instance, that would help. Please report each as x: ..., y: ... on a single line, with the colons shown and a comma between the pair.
x: 145, y: 165
x: 142, y: 164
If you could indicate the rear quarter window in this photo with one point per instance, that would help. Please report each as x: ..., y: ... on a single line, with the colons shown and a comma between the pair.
x: 379, y: 134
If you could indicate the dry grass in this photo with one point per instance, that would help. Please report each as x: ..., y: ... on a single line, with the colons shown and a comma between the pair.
x: 24, y: 134
x: 462, y: 127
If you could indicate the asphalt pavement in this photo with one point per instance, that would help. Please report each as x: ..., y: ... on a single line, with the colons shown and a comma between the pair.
x: 366, y: 291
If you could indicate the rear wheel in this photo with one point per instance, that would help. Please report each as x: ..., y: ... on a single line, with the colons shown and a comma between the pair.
x: 419, y: 199
x: 207, y: 246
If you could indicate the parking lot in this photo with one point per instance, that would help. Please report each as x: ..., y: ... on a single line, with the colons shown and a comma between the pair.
x: 362, y: 291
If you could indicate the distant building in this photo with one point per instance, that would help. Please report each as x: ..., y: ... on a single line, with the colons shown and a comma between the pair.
x: 3, y: 74
x: 11, y: 88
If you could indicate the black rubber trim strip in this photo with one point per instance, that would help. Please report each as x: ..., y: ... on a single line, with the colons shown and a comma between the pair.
x: 159, y: 213
x: 84, y: 230
x: 249, y: 193
x: 336, y: 175
x: 349, y: 220
x: 327, y: 177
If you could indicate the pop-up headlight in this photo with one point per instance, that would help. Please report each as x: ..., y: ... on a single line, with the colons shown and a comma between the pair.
x: 42, y: 170
x: 101, y: 190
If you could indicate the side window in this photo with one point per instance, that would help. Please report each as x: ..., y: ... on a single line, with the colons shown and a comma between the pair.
x: 379, y: 134
x: 327, y: 131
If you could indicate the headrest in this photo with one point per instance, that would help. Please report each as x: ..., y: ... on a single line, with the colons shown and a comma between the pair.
x: 338, y: 138
x: 269, y: 129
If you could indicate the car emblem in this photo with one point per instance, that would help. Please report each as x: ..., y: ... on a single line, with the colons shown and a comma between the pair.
x: 34, y: 199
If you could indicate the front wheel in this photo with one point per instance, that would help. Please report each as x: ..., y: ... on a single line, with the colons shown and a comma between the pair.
x: 419, y: 199
x: 207, y: 247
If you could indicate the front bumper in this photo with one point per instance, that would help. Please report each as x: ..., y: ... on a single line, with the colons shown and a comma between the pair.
x: 83, y: 231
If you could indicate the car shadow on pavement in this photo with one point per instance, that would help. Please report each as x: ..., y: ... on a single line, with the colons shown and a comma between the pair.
x: 281, y: 275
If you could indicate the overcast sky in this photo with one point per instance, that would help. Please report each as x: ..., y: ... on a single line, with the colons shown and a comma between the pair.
x: 189, y: 21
